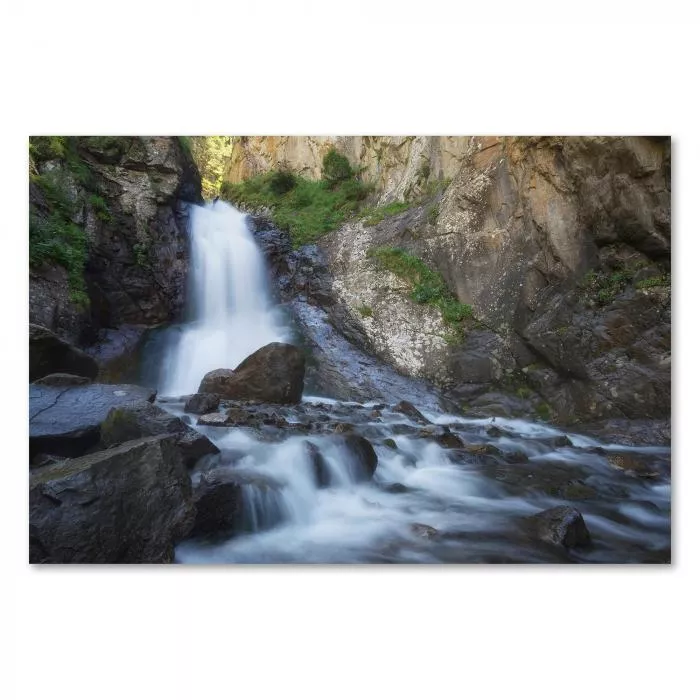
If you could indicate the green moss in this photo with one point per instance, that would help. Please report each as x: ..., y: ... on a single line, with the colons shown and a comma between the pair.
x: 428, y: 285
x: 523, y: 392
x: 650, y: 282
x: 543, y: 411
x: 365, y: 311
x: 433, y: 214
x: 307, y: 210
x: 140, y: 250
x: 185, y: 144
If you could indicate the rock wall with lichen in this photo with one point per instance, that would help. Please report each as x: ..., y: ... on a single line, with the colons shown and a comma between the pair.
x: 121, y: 203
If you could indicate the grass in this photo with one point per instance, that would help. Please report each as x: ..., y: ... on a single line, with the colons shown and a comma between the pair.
x: 306, y: 210
x: 100, y: 206
x: 371, y: 216
x: 365, y: 311
x: 428, y: 285
x: 651, y: 282
x: 604, y: 287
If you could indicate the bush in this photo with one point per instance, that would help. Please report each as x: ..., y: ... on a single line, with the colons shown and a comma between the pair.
x: 44, y: 148
x: 281, y: 182
x: 336, y: 168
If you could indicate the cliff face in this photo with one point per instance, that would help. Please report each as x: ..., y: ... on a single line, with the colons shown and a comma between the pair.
x: 399, y: 166
x: 560, y: 245
x: 118, y: 208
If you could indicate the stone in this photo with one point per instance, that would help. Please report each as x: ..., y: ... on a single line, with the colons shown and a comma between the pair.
x: 48, y: 354
x: 65, y: 421
x: 561, y: 525
x: 408, y: 409
x: 424, y: 531
x: 390, y: 443
x: 219, y: 501
x: 320, y: 468
x: 272, y: 374
x: 365, y: 458
x: 202, y: 403
x: 143, y: 419
x: 62, y: 379
x: 125, y: 505
x: 449, y: 440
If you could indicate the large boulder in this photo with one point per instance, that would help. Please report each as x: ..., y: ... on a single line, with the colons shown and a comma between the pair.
x: 143, y: 419
x: 65, y: 421
x: 273, y: 374
x: 49, y: 354
x: 202, y: 403
x: 363, y: 454
x: 129, y: 504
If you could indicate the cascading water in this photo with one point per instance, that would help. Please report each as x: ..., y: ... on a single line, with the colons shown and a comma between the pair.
x: 304, y: 496
x: 231, y: 308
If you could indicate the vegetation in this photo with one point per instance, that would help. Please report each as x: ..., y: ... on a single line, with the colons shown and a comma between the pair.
x: 212, y: 155
x: 543, y: 411
x: 428, y: 285
x: 100, y: 206
x: 372, y: 216
x: 365, y: 311
x: 306, y: 208
x: 606, y: 286
x: 650, y: 282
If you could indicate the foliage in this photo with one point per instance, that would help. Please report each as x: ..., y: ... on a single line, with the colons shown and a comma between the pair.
x: 307, y: 210
x: 372, y: 216
x: 606, y: 286
x: 43, y: 148
x: 433, y: 213
x: 212, y: 155
x: 650, y: 282
x: 543, y: 411
x: 100, y: 206
x: 281, y: 182
x: 365, y: 311
x: 336, y: 168
x: 141, y: 253
x: 428, y: 285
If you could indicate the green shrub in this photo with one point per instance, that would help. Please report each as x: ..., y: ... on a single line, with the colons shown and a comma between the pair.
x: 543, y: 411
x: 433, y: 214
x: 100, y: 206
x: 141, y: 253
x: 281, y: 182
x: 307, y: 211
x: 371, y: 216
x: 43, y: 148
x: 365, y: 311
x: 336, y: 168
x: 428, y: 285
x: 653, y: 282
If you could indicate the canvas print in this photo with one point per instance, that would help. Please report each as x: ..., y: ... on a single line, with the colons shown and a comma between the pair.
x: 349, y: 349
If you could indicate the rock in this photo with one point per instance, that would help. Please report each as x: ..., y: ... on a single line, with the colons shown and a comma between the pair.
x: 202, y: 403
x: 143, y: 419
x: 633, y: 464
x: 365, y: 456
x: 129, y: 504
x: 516, y: 457
x: 215, y: 420
x: 48, y: 354
x: 425, y: 531
x: 218, y: 498
x: 273, y: 374
x: 408, y: 409
x: 343, y: 428
x: 395, y: 488
x: 390, y: 443
x: 65, y: 421
x: 562, y: 525
x: 449, y: 440
x: 322, y: 473
x: 62, y: 379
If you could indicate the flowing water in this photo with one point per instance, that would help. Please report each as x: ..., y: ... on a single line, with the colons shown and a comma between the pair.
x: 425, y: 503
x: 232, y: 312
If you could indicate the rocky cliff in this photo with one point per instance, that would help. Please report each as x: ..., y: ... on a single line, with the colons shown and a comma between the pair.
x: 108, y: 232
x: 561, y: 246
x: 398, y: 166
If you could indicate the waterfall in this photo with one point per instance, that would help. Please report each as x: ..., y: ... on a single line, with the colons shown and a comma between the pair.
x: 233, y: 314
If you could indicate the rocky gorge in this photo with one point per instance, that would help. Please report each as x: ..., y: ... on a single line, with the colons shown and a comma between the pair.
x: 471, y: 363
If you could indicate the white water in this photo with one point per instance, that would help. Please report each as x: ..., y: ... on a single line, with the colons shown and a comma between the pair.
x: 233, y: 313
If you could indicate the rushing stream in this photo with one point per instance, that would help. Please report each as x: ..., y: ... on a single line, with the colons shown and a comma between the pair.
x: 468, y: 501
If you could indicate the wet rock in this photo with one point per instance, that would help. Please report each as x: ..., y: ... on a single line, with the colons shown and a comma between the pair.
x: 516, y: 457
x: 484, y: 449
x: 202, y: 403
x: 48, y: 354
x: 273, y: 374
x: 62, y: 379
x: 218, y: 497
x: 578, y: 491
x: 449, y: 440
x: 365, y: 456
x: 65, y: 421
x: 633, y: 464
x: 145, y: 420
x: 216, y: 420
x: 395, y: 488
x: 562, y: 525
x: 408, y: 409
x: 495, y: 431
x: 424, y: 531
x: 390, y: 443
x: 128, y: 504
x: 375, y: 414
x: 322, y: 473
x: 343, y: 428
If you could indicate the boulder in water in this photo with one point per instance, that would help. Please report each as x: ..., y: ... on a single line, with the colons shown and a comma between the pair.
x: 562, y: 525
x: 65, y: 421
x: 273, y: 374
x: 365, y: 456
x: 202, y: 403
x: 129, y: 504
x: 143, y: 419
x: 408, y: 409
x: 322, y: 473
x: 49, y: 354
x: 219, y: 502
